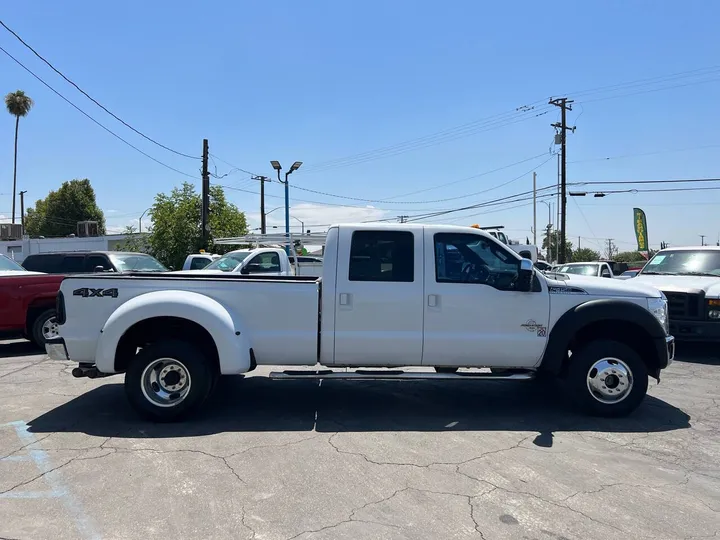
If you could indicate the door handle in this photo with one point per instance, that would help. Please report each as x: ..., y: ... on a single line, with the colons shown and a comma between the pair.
x: 345, y: 299
x: 433, y: 300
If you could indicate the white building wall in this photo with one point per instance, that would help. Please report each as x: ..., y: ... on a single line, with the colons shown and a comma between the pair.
x: 19, y: 249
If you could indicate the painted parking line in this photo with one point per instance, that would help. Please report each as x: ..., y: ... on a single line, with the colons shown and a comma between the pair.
x: 58, y: 490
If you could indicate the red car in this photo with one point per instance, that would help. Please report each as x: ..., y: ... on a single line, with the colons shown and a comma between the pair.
x: 27, y: 302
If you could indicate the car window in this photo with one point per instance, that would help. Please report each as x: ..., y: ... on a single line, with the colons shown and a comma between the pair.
x: 684, y: 262
x: 264, y: 263
x: 382, y: 256
x: 93, y: 261
x: 580, y: 269
x: 228, y: 262
x: 136, y: 262
x: 8, y: 264
x: 48, y: 263
x: 198, y: 263
x: 469, y: 258
x: 73, y: 264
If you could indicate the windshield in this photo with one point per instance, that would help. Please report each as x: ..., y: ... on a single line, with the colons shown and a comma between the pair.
x: 229, y: 262
x: 136, y: 262
x: 8, y: 264
x: 684, y: 262
x: 580, y: 269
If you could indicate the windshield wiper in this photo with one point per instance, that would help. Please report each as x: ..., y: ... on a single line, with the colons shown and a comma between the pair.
x: 658, y: 273
x: 699, y: 274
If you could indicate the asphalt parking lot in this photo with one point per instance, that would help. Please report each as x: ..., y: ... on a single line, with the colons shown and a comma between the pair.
x: 301, y: 460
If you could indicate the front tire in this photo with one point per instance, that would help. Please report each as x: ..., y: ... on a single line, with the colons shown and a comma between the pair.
x: 169, y: 380
x: 607, y: 378
x: 44, y: 327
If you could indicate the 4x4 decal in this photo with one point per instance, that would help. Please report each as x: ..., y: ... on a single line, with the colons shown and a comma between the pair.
x: 86, y: 292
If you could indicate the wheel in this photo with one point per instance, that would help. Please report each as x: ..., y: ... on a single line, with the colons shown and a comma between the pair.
x: 607, y: 378
x: 44, y: 327
x: 169, y: 380
x: 446, y: 369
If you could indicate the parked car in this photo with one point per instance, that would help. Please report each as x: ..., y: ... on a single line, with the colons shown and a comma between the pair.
x: 543, y: 266
x: 263, y: 261
x: 628, y: 274
x: 597, y: 269
x: 27, y: 303
x: 393, y: 295
x: 85, y: 262
x: 198, y: 261
x: 690, y: 279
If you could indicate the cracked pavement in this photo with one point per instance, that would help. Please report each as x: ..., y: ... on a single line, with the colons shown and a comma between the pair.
x: 385, y: 460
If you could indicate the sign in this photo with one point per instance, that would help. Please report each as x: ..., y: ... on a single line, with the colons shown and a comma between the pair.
x: 640, y: 222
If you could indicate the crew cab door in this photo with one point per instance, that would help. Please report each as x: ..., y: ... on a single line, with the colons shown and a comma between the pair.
x: 379, y: 297
x: 473, y: 315
x: 266, y: 263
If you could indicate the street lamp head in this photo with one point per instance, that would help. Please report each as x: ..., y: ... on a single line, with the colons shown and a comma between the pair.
x: 578, y: 193
x: 295, y: 166
x: 276, y: 165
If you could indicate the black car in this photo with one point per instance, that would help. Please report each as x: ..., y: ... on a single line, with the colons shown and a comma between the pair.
x: 80, y: 262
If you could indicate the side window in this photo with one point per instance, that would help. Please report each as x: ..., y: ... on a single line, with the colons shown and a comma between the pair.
x: 49, y: 264
x: 265, y: 262
x: 469, y: 258
x: 198, y: 263
x: 382, y: 256
x: 73, y: 264
x: 94, y: 261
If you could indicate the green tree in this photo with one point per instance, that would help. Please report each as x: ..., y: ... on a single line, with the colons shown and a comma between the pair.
x: 553, y: 243
x: 59, y: 212
x: 630, y: 256
x: 177, y: 223
x: 134, y: 242
x: 18, y: 104
x: 585, y: 254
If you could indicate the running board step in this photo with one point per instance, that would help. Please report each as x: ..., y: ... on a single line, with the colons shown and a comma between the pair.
x: 370, y: 375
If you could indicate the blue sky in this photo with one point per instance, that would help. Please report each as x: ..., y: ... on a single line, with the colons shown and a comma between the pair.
x: 320, y: 81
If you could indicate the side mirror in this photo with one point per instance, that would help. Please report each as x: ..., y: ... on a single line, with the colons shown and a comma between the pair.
x: 606, y: 274
x: 99, y: 268
x: 245, y: 270
x: 525, y: 276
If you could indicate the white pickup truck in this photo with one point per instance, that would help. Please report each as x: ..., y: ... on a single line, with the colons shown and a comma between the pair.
x: 261, y: 261
x: 438, y: 297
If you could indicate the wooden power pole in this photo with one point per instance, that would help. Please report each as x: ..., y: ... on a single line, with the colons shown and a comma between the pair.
x: 263, y: 224
x: 564, y: 104
x: 205, y: 196
x: 22, y: 210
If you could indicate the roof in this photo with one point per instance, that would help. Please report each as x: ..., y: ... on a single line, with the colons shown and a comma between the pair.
x: 691, y: 248
x: 86, y: 252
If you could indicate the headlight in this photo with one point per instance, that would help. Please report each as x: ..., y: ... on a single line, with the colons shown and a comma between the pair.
x: 659, y: 308
x: 713, y: 305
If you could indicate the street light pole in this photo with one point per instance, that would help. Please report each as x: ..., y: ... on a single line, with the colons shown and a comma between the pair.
x: 140, y: 220
x: 294, y: 167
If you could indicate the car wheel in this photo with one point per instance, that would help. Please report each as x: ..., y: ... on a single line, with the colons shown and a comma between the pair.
x: 44, y: 327
x: 169, y: 380
x: 607, y: 378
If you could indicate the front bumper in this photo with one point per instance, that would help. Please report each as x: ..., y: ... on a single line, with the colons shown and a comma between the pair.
x: 55, y: 349
x: 665, y: 350
x: 695, y: 330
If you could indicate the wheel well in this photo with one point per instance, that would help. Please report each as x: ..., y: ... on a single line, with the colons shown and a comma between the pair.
x: 148, y: 331
x: 631, y: 334
x: 35, y: 309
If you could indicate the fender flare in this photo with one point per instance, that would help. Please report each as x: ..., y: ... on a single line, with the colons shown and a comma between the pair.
x: 590, y: 312
x: 224, y: 327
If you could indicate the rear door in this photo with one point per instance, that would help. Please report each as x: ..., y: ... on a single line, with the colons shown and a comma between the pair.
x: 379, y: 298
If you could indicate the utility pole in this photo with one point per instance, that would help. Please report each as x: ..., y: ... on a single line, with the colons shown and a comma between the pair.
x: 534, y: 208
x: 702, y: 239
x: 205, y: 196
x: 610, y: 248
x: 22, y: 210
x: 564, y: 104
x: 262, y: 179
x: 578, y: 242
x: 403, y: 219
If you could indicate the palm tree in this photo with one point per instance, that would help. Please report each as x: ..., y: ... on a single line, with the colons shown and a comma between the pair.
x: 18, y: 104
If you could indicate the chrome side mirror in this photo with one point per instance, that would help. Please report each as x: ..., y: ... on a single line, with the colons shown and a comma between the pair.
x: 525, y: 275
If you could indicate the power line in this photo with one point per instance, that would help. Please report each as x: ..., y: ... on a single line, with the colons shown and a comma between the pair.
x: 654, y: 190
x: 625, y: 182
x: 96, y: 102
x: 640, y: 154
x: 93, y: 119
x: 234, y: 167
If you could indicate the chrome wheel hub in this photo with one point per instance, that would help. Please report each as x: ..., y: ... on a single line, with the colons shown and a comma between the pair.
x: 50, y: 328
x: 166, y: 382
x: 609, y: 380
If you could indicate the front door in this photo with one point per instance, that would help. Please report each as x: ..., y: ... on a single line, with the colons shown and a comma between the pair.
x: 473, y: 315
x: 379, y: 298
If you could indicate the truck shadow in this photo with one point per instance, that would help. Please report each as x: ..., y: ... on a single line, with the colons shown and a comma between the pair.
x: 13, y: 349
x: 698, y: 353
x: 257, y: 404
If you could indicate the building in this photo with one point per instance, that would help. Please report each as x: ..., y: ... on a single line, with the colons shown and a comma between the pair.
x: 19, y: 249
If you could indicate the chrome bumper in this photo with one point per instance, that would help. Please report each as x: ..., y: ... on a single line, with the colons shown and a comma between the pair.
x: 55, y: 349
x: 670, y: 342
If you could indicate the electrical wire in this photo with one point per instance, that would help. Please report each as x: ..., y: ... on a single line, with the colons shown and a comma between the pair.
x: 625, y: 182
x: 640, y: 154
x: 93, y: 119
x: 96, y: 102
x: 234, y: 167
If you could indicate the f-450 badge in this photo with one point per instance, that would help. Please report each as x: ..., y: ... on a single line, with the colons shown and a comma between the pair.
x: 86, y: 292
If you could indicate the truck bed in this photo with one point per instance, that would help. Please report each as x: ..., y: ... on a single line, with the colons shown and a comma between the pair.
x: 275, y: 310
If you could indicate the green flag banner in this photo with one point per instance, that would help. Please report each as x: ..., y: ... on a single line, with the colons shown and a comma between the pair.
x: 640, y: 229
